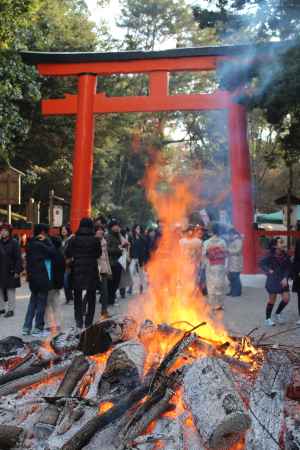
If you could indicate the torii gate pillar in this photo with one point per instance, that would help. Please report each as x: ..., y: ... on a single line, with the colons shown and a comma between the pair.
x: 242, y: 204
x: 84, y: 150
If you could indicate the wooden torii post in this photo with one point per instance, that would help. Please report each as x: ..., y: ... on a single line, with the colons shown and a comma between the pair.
x: 157, y: 65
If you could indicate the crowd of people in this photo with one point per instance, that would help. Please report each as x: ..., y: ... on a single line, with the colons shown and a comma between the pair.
x: 103, y: 258
x: 99, y: 257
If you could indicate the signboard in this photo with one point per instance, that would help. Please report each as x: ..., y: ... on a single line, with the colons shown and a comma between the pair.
x: 57, y: 215
x: 10, y: 187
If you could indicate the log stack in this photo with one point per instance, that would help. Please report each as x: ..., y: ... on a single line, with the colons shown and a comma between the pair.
x: 194, y: 397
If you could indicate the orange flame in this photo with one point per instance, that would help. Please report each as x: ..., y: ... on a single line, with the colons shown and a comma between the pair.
x: 103, y: 407
x: 174, y: 297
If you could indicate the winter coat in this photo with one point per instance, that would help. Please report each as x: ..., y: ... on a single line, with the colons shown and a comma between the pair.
x: 38, y: 252
x: 235, y: 256
x: 58, y: 270
x: 10, y: 264
x: 84, y: 249
x: 113, y: 247
x: 151, y: 246
x: 281, y: 269
x: 138, y: 249
x: 296, y: 276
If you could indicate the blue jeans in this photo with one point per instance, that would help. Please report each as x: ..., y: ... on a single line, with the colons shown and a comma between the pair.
x: 235, y: 284
x: 36, y: 308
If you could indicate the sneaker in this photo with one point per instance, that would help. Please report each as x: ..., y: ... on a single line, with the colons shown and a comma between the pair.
x: 2, y: 311
x: 279, y: 318
x: 9, y: 314
x: 298, y: 322
x: 37, y: 332
x: 269, y: 323
x: 26, y: 332
x: 45, y: 333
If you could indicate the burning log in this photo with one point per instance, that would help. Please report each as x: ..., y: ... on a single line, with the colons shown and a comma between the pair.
x: 74, y: 373
x: 101, y: 336
x: 11, y: 437
x: 99, y: 422
x: 15, y: 385
x: 72, y: 412
x: 65, y: 342
x: 166, y: 431
x: 218, y: 411
x: 123, y: 371
x: 152, y: 408
x: 25, y: 370
x: 156, y: 403
x: 10, y: 345
x: 267, y: 402
x: 170, y: 358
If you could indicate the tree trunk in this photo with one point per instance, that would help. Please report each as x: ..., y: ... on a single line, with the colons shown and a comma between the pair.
x: 218, y: 411
x: 11, y: 437
x: 267, y: 401
x: 123, y: 371
x: 74, y: 373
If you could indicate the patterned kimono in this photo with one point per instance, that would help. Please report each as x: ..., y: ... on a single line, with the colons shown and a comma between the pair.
x: 215, y: 253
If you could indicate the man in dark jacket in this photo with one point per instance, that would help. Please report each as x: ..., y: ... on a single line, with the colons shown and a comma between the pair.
x: 83, y: 252
x: 10, y: 270
x: 114, y: 248
x: 40, y: 254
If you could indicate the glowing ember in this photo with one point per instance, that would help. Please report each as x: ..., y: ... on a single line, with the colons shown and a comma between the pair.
x: 103, y: 407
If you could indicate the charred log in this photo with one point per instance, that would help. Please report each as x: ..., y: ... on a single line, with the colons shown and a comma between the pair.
x: 25, y: 370
x: 74, y: 373
x: 123, y: 371
x: 14, y: 386
x: 101, y: 336
x: 267, y: 402
x: 99, y: 422
x: 11, y: 437
x: 218, y: 411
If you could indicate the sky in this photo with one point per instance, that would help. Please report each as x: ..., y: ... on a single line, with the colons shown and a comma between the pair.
x: 108, y: 13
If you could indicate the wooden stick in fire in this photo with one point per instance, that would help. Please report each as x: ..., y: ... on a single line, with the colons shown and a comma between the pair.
x: 74, y: 373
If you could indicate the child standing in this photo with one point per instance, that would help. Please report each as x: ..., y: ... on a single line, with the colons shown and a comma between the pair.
x: 277, y: 267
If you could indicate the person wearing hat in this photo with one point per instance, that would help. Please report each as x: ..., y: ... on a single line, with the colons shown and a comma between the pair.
x: 83, y: 251
x: 10, y: 270
x: 115, y: 250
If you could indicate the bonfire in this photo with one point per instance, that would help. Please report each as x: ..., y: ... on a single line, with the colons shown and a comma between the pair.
x: 165, y: 376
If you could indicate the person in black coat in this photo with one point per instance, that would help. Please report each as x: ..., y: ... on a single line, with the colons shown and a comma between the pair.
x: 10, y: 270
x: 39, y: 258
x: 296, y: 275
x: 83, y: 252
x: 277, y: 267
x: 138, y: 255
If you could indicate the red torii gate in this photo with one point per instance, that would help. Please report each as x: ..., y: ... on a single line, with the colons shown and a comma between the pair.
x: 158, y: 65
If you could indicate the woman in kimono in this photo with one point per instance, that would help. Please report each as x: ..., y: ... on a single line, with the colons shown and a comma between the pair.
x: 215, y: 254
